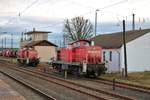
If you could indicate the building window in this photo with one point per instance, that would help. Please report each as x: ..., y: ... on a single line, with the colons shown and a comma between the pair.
x: 104, y: 55
x: 110, y: 56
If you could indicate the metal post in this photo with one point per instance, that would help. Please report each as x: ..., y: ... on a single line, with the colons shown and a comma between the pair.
x: 11, y: 41
x: 114, y: 84
x: 133, y: 22
x: 64, y: 39
x: 125, y: 55
x: 5, y: 42
x: 60, y: 43
x: 12, y: 46
x: 2, y: 43
x: 65, y: 73
x: 96, y: 21
x: 122, y: 72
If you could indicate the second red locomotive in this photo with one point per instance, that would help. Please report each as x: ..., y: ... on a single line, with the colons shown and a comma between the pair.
x: 80, y: 57
x: 28, y: 56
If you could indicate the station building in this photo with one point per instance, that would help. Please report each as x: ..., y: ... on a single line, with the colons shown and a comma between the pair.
x: 137, y: 47
x: 39, y: 40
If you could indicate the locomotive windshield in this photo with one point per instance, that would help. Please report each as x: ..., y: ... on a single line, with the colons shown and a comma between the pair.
x: 80, y: 43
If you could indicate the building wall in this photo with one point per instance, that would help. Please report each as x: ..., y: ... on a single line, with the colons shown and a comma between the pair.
x: 46, y: 52
x: 112, y: 61
x: 138, y: 54
x: 39, y: 36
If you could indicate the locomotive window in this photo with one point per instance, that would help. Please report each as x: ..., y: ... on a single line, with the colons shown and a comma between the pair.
x: 110, y: 55
x: 86, y: 44
x: 77, y: 44
x: 104, y: 55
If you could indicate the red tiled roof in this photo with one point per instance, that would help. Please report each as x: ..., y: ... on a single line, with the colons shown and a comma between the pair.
x: 41, y: 43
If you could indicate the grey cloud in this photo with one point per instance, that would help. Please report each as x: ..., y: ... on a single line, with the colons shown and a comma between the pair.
x: 56, y: 26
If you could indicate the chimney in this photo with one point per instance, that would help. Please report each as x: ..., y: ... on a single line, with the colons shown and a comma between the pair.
x: 33, y: 29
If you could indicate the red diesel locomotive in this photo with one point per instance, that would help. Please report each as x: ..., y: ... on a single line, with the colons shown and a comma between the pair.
x: 80, y: 57
x: 9, y: 53
x: 28, y: 56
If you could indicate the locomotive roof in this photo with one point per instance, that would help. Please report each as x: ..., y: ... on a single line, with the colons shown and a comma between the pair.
x: 79, y: 41
x: 41, y: 43
x: 115, y: 40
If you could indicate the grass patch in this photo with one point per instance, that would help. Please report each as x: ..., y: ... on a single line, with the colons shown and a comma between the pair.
x: 138, y: 78
x: 12, y: 60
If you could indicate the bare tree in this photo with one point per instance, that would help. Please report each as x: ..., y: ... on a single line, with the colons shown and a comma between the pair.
x: 78, y: 28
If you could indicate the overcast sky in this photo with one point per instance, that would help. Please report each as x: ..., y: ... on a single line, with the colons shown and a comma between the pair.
x: 18, y: 16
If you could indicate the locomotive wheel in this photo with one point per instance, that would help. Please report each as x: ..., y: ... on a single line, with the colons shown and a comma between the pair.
x: 33, y: 64
x: 96, y: 74
x: 87, y: 75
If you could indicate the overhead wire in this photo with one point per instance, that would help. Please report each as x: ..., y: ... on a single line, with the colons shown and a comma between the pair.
x: 108, y: 6
x: 29, y: 6
x: 34, y: 2
x: 54, y: 25
x: 92, y: 11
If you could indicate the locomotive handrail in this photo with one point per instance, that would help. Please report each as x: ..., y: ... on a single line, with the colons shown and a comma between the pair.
x: 68, y: 63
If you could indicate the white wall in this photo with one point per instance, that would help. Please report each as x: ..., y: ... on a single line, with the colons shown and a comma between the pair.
x: 138, y: 54
x: 114, y: 65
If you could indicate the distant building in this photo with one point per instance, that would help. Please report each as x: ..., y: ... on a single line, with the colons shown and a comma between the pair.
x: 39, y: 40
x: 138, y: 50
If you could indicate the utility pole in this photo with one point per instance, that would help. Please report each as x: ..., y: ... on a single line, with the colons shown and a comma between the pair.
x: 125, y: 53
x: 60, y: 43
x: 12, y: 46
x: 5, y: 42
x: 133, y: 21
x: 21, y: 40
x: 96, y: 20
x: 2, y: 43
x: 11, y: 41
x: 64, y: 39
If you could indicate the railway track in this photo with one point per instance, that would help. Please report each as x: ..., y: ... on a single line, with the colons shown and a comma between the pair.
x: 47, y: 96
x: 106, y: 82
x: 133, y: 87
x: 125, y: 85
x: 96, y: 93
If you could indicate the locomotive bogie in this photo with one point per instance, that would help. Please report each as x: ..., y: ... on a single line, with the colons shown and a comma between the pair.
x: 92, y: 70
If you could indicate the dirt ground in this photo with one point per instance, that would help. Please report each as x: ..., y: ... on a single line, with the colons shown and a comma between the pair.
x: 139, y: 78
